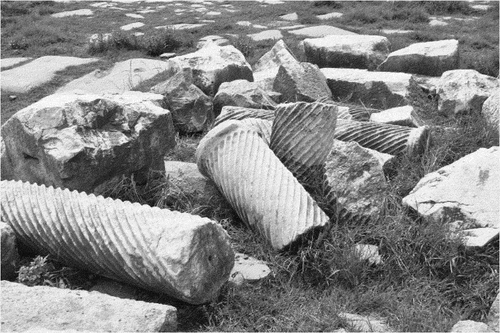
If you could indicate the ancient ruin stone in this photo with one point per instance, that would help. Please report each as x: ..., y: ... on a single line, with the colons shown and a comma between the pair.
x: 184, y: 181
x: 385, y: 138
x: 490, y: 111
x: 478, y: 237
x: 219, y: 40
x: 368, y: 252
x: 10, y: 256
x: 239, y: 113
x: 464, y: 91
x: 10, y: 62
x: 429, y: 58
x: 354, y: 181
x: 366, y: 323
x: 493, y: 314
x: 182, y: 255
x: 266, y: 34
x: 212, y: 65
x: 301, y: 137
x: 467, y: 326
x: 191, y: 108
x: 464, y: 190
x: 364, y: 51
x: 262, y: 191
x: 266, y: 68
x: 262, y: 126
x: 372, y: 89
x: 49, y: 309
x: 242, y: 93
x: 123, y: 76
x: 321, y: 31
x: 78, y: 12
x: 248, y: 269
x: 349, y: 111
x: 37, y: 72
x: 81, y: 141
x: 403, y: 116
x: 301, y: 82
x: 329, y: 16
x: 290, y: 17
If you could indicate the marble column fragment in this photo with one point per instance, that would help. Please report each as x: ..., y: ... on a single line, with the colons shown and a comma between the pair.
x: 302, y: 136
x: 385, y: 138
x: 239, y: 113
x: 261, y: 126
x: 262, y: 191
x: 185, y: 256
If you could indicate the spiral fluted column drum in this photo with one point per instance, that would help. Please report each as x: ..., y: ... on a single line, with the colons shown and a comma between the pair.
x: 182, y: 255
x: 385, y: 138
x: 263, y: 192
x: 302, y: 136
x: 239, y: 113
x: 261, y: 126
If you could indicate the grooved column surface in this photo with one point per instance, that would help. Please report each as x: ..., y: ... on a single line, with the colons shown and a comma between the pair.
x: 302, y: 136
x: 261, y: 126
x: 239, y: 113
x: 185, y: 256
x: 385, y: 138
x: 263, y: 192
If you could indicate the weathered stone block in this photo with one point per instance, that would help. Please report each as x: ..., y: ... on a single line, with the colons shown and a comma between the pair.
x: 354, y: 181
x: 465, y: 190
x: 364, y: 51
x: 464, y: 91
x: 81, y: 141
x: 242, y: 93
x: 301, y: 81
x: 39, y: 309
x: 10, y: 256
x: 212, y: 65
x: 191, y: 108
x: 429, y: 58
x: 372, y: 89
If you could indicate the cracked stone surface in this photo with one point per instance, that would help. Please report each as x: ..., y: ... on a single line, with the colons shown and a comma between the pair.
x: 464, y: 190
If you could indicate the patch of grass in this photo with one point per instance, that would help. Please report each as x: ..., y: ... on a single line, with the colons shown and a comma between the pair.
x: 328, y: 4
x: 446, y: 7
x: 153, y: 43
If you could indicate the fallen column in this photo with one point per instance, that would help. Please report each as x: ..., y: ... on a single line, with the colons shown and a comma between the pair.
x: 385, y: 138
x: 263, y: 192
x: 239, y: 113
x: 184, y: 256
x: 302, y: 136
x: 261, y: 126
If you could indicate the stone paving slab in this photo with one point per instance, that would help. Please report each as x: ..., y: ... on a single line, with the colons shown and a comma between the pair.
x: 321, y: 31
x: 79, y: 12
x: 37, y: 72
x: 9, y: 62
x: 123, y: 76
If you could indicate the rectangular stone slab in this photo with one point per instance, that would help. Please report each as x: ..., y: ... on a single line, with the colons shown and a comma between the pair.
x: 40, y: 308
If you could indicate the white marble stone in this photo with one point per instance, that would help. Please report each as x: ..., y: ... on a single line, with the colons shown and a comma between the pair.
x: 131, y: 26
